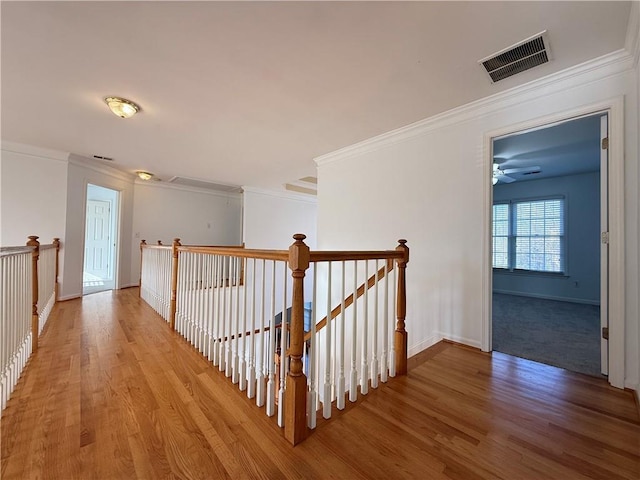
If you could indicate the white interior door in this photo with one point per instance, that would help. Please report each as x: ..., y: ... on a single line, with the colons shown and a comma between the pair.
x: 604, y: 245
x: 97, y: 239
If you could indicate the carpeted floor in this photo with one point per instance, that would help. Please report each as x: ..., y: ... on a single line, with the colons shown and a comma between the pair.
x: 563, y: 334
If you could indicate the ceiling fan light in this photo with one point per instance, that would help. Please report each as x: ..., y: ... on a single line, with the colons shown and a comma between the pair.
x: 122, y: 107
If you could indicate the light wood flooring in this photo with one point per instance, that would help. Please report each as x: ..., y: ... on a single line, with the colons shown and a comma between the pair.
x: 114, y: 394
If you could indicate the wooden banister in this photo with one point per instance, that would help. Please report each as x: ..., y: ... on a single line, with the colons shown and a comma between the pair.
x: 295, y: 400
x: 33, y: 242
x: 174, y: 284
x: 400, y: 339
x: 349, y: 300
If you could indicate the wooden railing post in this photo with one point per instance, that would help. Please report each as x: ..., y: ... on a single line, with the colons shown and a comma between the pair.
x: 33, y: 242
x: 142, y: 244
x: 174, y: 284
x: 56, y: 243
x: 400, y: 339
x: 295, y: 401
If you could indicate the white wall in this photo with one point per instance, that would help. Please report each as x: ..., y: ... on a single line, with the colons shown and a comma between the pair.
x: 428, y: 183
x: 197, y: 217
x: 79, y: 175
x: 272, y: 218
x: 32, y: 194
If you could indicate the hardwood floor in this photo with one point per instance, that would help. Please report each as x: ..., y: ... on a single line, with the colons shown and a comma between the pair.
x: 113, y: 393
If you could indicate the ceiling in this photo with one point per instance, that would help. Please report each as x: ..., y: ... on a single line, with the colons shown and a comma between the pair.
x: 567, y: 148
x: 248, y: 93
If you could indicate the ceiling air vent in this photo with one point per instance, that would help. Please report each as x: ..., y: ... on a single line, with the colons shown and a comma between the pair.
x: 192, y: 182
x: 522, y: 56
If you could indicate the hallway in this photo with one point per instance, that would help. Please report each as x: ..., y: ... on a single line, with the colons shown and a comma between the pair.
x: 113, y: 393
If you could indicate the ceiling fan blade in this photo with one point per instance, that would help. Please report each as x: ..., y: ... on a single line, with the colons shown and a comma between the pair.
x: 505, y: 178
x: 535, y: 169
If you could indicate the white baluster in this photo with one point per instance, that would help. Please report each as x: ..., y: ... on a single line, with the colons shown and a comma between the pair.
x: 374, y: 341
x: 353, y: 387
x: 340, y: 396
x: 312, y: 413
x: 283, y: 351
x: 258, y: 369
x: 364, y: 378
x: 326, y: 400
x: 243, y: 355
x: 385, y: 322
x: 271, y: 384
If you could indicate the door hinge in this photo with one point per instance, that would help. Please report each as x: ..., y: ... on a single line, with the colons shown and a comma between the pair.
x: 605, y: 143
x: 605, y: 333
x: 605, y: 238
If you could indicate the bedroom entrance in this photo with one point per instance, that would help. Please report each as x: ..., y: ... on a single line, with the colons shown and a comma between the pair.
x: 100, y: 240
x: 549, y: 244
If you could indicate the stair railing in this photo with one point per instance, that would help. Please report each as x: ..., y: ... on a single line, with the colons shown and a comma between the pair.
x: 247, y: 311
x: 28, y: 291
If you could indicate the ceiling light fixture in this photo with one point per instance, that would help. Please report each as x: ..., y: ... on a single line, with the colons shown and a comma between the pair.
x: 122, y: 107
x: 144, y: 175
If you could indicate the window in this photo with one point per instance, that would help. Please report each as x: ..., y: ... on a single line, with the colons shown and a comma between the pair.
x: 529, y: 235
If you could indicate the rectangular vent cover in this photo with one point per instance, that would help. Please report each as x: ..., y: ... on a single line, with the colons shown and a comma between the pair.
x: 522, y: 56
x: 192, y: 182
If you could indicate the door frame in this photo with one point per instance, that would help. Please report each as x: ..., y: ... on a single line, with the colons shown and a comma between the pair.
x: 117, y: 219
x: 616, y: 272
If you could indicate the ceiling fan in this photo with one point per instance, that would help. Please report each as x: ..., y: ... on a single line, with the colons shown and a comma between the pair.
x: 500, y: 175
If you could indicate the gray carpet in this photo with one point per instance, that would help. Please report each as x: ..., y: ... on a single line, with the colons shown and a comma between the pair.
x: 563, y: 334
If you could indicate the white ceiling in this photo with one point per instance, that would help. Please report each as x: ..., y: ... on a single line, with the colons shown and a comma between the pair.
x: 249, y: 93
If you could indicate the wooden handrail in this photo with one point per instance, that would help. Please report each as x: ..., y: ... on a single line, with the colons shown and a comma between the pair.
x: 7, y: 251
x: 349, y: 300
x: 335, y: 256
x: 282, y: 255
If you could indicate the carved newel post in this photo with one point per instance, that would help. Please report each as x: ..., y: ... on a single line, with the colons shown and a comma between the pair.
x: 174, y: 283
x: 400, y: 340
x: 295, y: 401
x: 33, y: 242
x: 143, y: 243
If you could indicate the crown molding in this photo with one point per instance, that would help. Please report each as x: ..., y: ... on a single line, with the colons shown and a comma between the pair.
x: 184, y: 188
x: 33, y: 151
x: 299, y: 197
x: 602, y: 67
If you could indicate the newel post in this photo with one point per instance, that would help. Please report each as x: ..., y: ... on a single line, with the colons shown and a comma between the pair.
x: 56, y: 244
x: 143, y: 243
x: 295, y: 395
x: 174, y: 284
x: 400, y: 339
x: 33, y: 242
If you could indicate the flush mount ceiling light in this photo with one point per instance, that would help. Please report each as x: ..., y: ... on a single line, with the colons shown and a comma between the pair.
x: 144, y: 175
x: 122, y: 107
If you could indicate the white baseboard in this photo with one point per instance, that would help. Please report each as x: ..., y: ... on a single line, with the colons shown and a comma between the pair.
x: 129, y: 285
x: 548, y: 297
x: 69, y: 297
x: 457, y: 339
x: 423, y: 345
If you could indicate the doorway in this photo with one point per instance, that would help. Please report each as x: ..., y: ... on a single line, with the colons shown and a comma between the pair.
x: 549, y: 208
x: 100, y: 245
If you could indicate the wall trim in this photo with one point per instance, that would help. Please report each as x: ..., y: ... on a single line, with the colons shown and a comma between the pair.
x: 458, y: 339
x: 423, y: 345
x: 282, y: 194
x: 548, y: 297
x: 33, y: 151
x: 73, y: 296
x: 602, y: 67
x: 185, y: 188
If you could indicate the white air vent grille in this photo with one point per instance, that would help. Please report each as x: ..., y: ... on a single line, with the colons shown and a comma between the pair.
x: 522, y: 56
x: 192, y: 182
